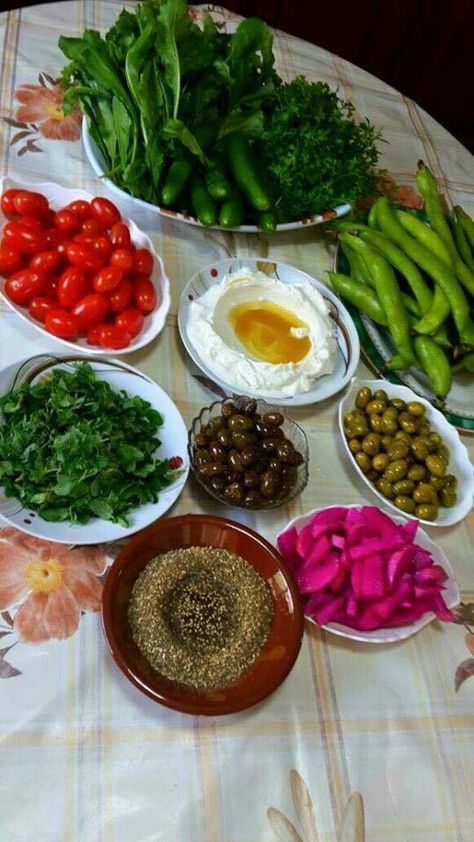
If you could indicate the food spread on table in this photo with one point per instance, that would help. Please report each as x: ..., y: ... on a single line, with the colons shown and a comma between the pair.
x: 262, y: 335
x: 198, y: 120
x: 200, y: 616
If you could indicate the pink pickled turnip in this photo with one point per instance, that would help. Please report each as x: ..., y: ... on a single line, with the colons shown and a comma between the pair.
x: 409, y: 530
x: 339, y: 580
x: 385, y: 607
x: 325, y: 613
x: 373, y: 577
x: 351, y: 607
x: 422, y: 558
x: 376, y: 545
x: 304, y: 542
x: 398, y: 563
x: 441, y: 609
x: 330, y: 518
x: 380, y: 523
x: 287, y: 547
x: 318, y: 578
x: 319, y: 551
x: 432, y: 574
x: 357, y: 574
x: 338, y: 541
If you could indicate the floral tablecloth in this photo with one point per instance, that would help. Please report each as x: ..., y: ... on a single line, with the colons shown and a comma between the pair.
x: 84, y: 756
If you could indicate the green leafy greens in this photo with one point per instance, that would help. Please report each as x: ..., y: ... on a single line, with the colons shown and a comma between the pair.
x: 72, y: 448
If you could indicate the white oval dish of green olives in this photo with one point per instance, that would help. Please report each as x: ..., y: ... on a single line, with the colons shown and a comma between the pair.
x: 406, y: 451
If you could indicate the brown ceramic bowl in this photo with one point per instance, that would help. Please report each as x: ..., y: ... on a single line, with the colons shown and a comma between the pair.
x: 276, y: 658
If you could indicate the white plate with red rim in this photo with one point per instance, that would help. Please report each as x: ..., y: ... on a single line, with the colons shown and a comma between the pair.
x: 459, y: 462
x: 451, y: 593
x: 58, y: 197
x: 173, y: 436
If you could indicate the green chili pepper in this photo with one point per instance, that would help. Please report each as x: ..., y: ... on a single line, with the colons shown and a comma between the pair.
x: 388, y: 293
x: 434, y: 362
x: 441, y: 274
x: 467, y: 223
x: 405, y: 266
x: 462, y: 242
x: 372, y: 217
x: 359, y: 295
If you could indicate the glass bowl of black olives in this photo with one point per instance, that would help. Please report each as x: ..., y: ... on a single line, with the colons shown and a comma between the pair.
x: 246, y: 453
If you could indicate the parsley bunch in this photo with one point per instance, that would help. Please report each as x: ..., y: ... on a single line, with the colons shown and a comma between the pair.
x: 72, y: 448
x: 318, y: 155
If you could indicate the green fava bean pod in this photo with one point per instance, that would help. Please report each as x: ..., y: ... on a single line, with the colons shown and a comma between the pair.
x: 356, y: 268
x: 441, y: 274
x: 462, y: 242
x: 434, y: 362
x: 424, y: 234
x: 372, y: 218
x: 359, y: 295
x: 403, y: 264
x: 435, y: 317
x: 467, y: 223
x: 388, y: 293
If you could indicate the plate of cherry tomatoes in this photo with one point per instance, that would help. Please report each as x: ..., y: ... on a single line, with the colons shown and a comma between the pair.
x: 75, y: 269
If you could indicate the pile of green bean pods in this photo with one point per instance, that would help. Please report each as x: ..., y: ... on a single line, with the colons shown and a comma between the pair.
x: 416, y: 279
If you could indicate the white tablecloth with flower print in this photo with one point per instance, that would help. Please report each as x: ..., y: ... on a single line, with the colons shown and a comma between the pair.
x: 84, y: 756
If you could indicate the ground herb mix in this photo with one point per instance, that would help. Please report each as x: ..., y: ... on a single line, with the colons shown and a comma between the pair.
x: 200, y: 616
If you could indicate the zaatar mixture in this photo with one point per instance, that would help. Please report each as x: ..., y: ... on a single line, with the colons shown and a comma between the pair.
x: 200, y: 616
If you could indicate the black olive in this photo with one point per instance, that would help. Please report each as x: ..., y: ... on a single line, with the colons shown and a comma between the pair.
x: 269, y: 484
x: 201, y: 457
x: 212, y: 469
x: 247, y: 406
x: 217, y: 451
x: 234, y: 460
x: 240, y: 423
x: 224, y: 437
x: 241, y: 440
x: 275, y: 419
x: 250, y: 479
x: 228, y: 409
x: 234, y: 493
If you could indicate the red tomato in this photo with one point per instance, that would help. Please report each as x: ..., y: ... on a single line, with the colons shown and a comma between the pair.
x: 80, y: 209
x: 122, y: 258
x: 82, y: 255
x: 93, y: 335
x: 23, y: 285
x: 120, y: 236
x: 107, y: 279
x: 102, y: 245
x: 105, y: 211
x: 53, y: 237
x: 40, y: 305
x: 46, y: 261
x: 143, y: 262
x: 131, y: 321
x: 8, y: 207
x: 66, y: 221
x: 121, y: 296
x: 72, y: 286
x: 92, y: 227
x: 30, y: 222
x: 144, y: 294
x: 24, y: 239
x: 91, y: 310
x: 30, y: 203
x: 10, y: 260
x: 63, y: 324
x: 112, y: 336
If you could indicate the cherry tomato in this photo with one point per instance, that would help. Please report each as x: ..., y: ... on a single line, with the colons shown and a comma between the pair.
x: 92, y: 227
x: 122, y: 258
x: 121, y: 296
x: 143, y: 262
x: 30, y: 203
x: 24, y: 239
x: 120, y: 236
x: 46, y: 261
x: 102, y: 245
x: 72, y: 286
x: 144, y: 294
x: 51, y: 286
x: 53, y: 237
x: 105, y: 211
x: 62, y: 246
x: 112, y: 336
x: 8, y: 207
x: 40, y: 305
x: 80, y: 209
x: 91, y: 310
x: 131, y: 321
x: 66, y: 221
x: 93, y: 335
x: 30, y: 222
x: 107, y: 279
x: 83, y: 238
x: 82, y: 255
x: 10, y: 260
x: 63, y: 324
x: 23, y: 285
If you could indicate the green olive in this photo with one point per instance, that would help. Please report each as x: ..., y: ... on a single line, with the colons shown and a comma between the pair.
x: 385, y: 488
x: 375, y: 406
x: 443, y: 451
x: 427, y: 511
x: 405, y: 486
x: 381, y: 395
x: 398, y: 451
x: 424, y: 493
x: 390, y: 412
x: 386, y: 442
x: 417, y: 473
x: 436, y: 465
x: 371, y: 444
x: 363, y: 461
x: 416, y: 408
x: 360, y: 428
x: 401, y: 435
x: 389, y: 424
x: 437, y: 482
x: 380, y: 462
x: 396, y: 471
x: 373, y: 475
x: 436, y: 439
x: 404, y: 503
x: 450, y: 481
x: 350, y: 433
x: 355, y: 446
x: 398, y: 404
x: 448, y: 498
x: 376, y: 423
x: 363, y: 397
x: 408, y: 422
x: 420, y: 449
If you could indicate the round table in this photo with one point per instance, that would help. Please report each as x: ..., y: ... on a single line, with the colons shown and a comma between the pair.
x: 85, y: 757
